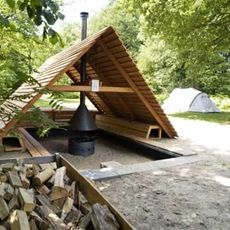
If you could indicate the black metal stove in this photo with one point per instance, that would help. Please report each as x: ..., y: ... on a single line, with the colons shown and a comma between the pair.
x: 82, y: 122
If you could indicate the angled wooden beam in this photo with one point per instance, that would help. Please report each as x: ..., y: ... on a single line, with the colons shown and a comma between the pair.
x: 119, y: 97
x: 88, y: 88
x: 134, y: 87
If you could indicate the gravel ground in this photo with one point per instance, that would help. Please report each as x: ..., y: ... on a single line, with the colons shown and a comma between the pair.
x: 193, y: 196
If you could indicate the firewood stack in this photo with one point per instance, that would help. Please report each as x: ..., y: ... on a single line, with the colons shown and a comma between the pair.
x: 35, y: 198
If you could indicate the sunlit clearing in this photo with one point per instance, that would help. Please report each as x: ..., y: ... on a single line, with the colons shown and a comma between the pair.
x: 222, y: 180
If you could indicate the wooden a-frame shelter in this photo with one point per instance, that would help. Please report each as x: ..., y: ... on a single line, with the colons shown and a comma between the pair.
x: 123, y: 94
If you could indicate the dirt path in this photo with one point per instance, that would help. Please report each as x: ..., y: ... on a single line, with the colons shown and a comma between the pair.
x: 193, y: 196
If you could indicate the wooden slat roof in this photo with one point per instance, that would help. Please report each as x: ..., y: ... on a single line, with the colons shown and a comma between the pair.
x: 108, y: 61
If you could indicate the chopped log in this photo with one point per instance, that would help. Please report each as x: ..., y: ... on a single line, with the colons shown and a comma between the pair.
x: 50, y: 182
x: 72, y: 191
x: 68, y: 205
x: 102, y: 218
x: 29, y: 172
x: 33, y: 225
x: 73, y: 216
x: 51, y: 217
x: 19, y: 221
x: 77, y: 196
x: 3, y: 177
x: 32, y: 192
x: 24, y: 180
x: 36, y: 169
x: 41, y: 223
x: 43, y: 176
x: 85, y: 208
x: 43, y: 189
x: 44, y: 201
x: 6, y: 191
x: 85, y: 221
x: 26, y: 200
x: 59, y: 202
x: 7, y: 167
x: 59, y: 177
x: 14, y: 203
x: 4, y: 210
x: 14, y: 179
x: 59, y: 190
x: 58, y: 193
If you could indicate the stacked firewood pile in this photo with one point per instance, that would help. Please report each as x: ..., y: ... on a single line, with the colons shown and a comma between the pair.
x: 35, y: 198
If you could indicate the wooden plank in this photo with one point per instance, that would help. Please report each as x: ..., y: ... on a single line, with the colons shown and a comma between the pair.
x: 142, y: 127
x: 34, y: 142
x: 102, y: 174
x: 87, y: 88
x: 121, y: 130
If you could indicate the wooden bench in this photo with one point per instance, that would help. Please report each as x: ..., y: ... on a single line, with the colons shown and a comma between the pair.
x: 128, y: 128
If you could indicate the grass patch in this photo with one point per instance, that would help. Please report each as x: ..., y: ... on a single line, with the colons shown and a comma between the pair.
x: 221, y: 118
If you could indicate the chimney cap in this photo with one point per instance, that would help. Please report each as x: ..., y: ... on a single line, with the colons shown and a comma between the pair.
x: 84, y: 14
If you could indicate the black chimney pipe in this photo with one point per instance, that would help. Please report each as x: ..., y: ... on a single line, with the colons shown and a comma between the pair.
x: 84, y: 16
x: 82, y: 120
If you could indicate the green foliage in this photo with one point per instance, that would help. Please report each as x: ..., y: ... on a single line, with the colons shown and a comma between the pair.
x: 39, y: 119
x: 22, y: 50
x: 196, y: 40
x: 221, y: 118
x: 222, y: 102
x: 42, y: 13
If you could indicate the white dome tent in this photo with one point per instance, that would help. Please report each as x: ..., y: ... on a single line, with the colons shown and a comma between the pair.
x: 189, y: 99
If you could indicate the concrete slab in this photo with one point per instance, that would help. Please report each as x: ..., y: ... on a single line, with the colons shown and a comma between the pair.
x: 117, y: 171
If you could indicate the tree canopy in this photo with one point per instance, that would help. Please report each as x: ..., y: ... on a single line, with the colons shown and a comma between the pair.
x: 198, y: 35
